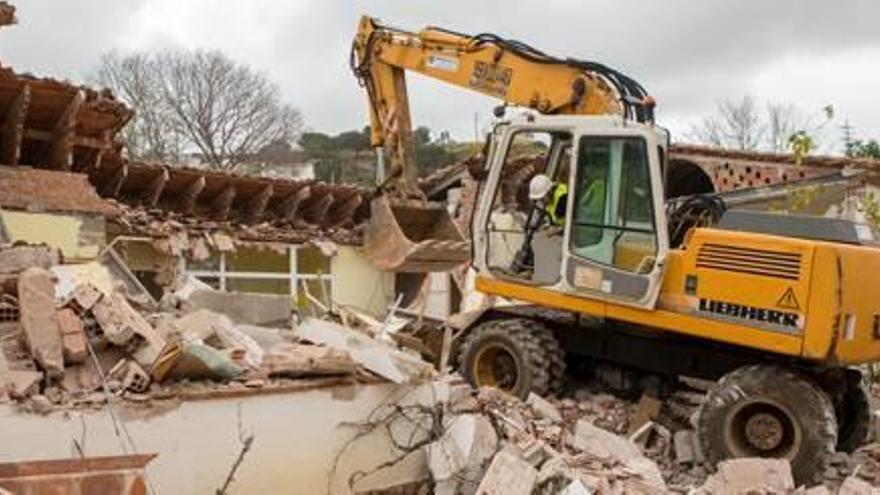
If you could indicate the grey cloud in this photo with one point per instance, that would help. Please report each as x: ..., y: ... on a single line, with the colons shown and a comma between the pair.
x: 688, y: 53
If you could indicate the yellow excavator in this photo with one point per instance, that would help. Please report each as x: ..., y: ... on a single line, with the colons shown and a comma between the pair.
x: 592, y: 267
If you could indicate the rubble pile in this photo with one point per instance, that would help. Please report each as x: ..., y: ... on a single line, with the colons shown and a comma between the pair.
x: 488, y: 442
x: 85, y: 346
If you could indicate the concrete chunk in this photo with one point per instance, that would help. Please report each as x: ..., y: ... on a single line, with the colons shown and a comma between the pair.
x: 73, y: 336
x: 736, y: 476
x: 543, y: 407
x: 857, y: 486
x: 20, y: 384
x: 297, y: 360
x: 120, y: 323
x: 468, y: 442
x: 508, y: 475
x: 19, y: 258
x: 86, y: 295
x: 413, y: 468
x: 685, y: 445
x: 598, y: 442
x: 36, y: 298
x: 205, y: 325
x: 379, y: 357
x: 242, y: 307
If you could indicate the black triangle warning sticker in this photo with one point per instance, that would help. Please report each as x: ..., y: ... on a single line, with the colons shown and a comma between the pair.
x: 788, y: 300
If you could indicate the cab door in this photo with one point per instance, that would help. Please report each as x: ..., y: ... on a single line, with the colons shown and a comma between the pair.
x: 615, y: 236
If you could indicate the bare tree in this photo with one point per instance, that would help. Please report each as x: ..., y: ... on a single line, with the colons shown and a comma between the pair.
x: 136, y: 79
x: 200, y: 101
x: 736, y: 124
x: 784, y: 120
x: 747, y: 125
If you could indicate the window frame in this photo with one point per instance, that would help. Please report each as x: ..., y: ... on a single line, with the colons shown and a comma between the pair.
x: 620, y: 229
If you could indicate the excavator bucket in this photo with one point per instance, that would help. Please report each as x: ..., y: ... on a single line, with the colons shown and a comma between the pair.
x: 408, y: 236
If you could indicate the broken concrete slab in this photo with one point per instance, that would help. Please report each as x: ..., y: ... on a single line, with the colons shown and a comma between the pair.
x: 243, y: 307
x: 543, y: 407
x: 576, y: 487
x: 20, y: 384
x: 508, y: 475
x: 73, y: 336
x: 204, y: 325
x: 120, y: 323
x: 854, y: 485
x: 201, y: 361
x: 686, y: 448
x: 298, y: 360
x: 745, y: 475
x: 36, y: 296
x: 600, y: 443
x: 468, y: 442
x: 19, y: 258
x: 86, y: 296
x: 379, y: 357
x: 412, y: 468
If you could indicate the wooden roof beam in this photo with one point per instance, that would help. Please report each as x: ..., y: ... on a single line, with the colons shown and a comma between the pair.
x: 187, y: 203
x: 289, y: 206
x: 222, y: 202
x: 345, y: 212
x: 256, y: 207
x: 112, y: 187
x: 151, y: 194
x: 61, y: 147
x: 13, y: 127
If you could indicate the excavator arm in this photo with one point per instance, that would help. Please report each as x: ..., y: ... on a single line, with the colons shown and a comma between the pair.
x: 414, y: 236
x: 508, y: 70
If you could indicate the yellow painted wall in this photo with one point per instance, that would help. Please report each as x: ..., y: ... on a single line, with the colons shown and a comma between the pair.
x: 356, y: 282
x: 78, y: 237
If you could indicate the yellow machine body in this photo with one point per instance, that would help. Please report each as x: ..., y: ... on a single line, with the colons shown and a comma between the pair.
x: 801, y: 298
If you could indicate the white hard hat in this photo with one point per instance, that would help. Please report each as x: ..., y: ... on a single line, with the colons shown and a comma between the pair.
x: 539, y: 186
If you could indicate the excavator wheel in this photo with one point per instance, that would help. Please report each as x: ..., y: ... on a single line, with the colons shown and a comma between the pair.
x: 854, y: 417
x: 770, y: 411
x: 517, y: 355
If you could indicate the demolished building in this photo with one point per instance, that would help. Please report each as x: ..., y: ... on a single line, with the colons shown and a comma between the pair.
x: 121, y: 240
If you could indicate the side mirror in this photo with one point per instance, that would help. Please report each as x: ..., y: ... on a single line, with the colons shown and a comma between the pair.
x: 539, y: 187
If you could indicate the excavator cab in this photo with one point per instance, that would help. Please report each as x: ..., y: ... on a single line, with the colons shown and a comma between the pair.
x: 612, y: 242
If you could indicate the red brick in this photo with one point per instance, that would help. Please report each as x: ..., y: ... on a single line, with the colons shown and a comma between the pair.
x: 73, y: 336
x: 104, y: 484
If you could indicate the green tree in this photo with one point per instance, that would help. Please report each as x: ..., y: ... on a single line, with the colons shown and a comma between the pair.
x: 865, y: 149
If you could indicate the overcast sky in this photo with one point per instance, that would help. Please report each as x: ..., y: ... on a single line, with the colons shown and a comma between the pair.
x: 688, y: 54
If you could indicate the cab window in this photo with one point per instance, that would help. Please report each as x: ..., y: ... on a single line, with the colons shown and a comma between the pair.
x: 612, y: 218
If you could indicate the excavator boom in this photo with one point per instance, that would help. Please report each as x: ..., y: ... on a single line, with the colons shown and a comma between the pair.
x: 508, y: 70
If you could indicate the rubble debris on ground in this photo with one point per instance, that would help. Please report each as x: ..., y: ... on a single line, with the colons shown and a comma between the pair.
x: 69, y: 339
x: 489, y: 442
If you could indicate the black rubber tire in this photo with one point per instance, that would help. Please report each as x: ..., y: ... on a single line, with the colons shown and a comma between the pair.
x: 539, y: 359
x: 853, y: 417
x: 803, y: 401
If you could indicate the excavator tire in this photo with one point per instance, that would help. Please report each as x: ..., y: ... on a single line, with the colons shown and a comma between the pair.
x: 517, y: 355
x: 770, y: 411
x: 854, y: 417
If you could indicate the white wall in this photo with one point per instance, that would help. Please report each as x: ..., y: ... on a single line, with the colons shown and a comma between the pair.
x: 297, y: 436
x: 356, y: 282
